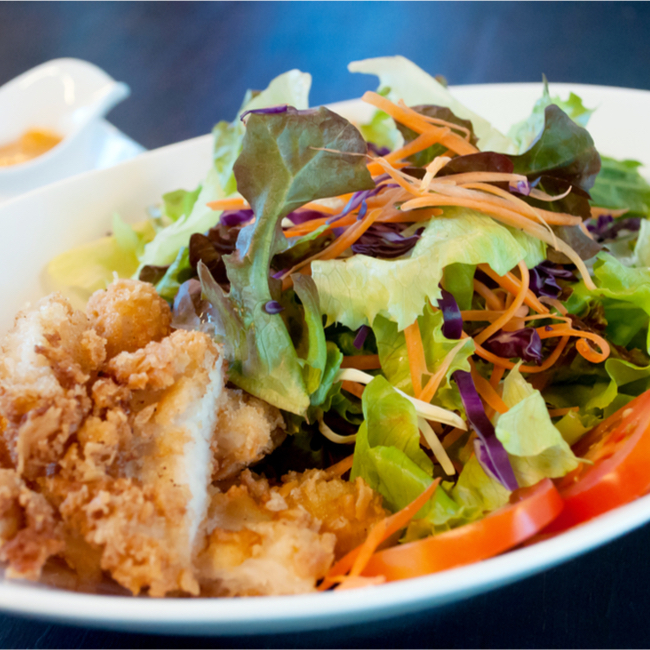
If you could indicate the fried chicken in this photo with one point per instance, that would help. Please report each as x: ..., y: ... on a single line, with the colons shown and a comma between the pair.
x: 266, y: 540
x: 115, y: 432
x: 29, y: 530
x: 129, y: 315
x: 135, y: 484
x: 47, y: 361
x: 247, y: 430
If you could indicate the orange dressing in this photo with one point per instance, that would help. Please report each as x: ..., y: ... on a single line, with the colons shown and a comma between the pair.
x: 31, y: 144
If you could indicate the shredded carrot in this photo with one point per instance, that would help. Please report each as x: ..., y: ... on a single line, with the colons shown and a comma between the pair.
x: 433, y: 384
x: 597, y: 212
x: 353, y: 387
x: 555, y: 413
x: 341, y: 244
x: 404, y: 181
x: 434, y: 120
x: 309, y: 226
x: 341, y: 467
x: 511, y: 218
x: 417, y: 360
x: 494, y: 327
x: 413, y: 120
x: 585, y: 350
x: 229, y: 204
x: 356, y: 560
x: 362, y: 362
x: 551, y: 218
x: 505, y: 363
x: 486, y: 391
x: 513, y: 284
x: 492, y: 301
x: 496, y: 376
x: 347, y: 238
x: 543, y: 216
x: 554, y: 302
x: 451, y: 438
x: 423, y: 141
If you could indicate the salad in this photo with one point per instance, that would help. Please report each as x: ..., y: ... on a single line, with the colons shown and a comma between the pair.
x: 456, y: 316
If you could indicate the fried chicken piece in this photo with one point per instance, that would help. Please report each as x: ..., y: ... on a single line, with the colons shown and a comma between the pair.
x: 29, y: 530
x: 347, y: 509
x: 46, y: 363
x: 129, y: 315
x: 135, y: 483
x: 266, y: 540
x: 247, y: 430
x: 257, y: 546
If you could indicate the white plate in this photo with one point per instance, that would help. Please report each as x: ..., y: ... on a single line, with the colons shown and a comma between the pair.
x: 48, y: 221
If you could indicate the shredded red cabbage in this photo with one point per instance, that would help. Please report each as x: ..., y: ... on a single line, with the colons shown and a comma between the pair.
x: 605, y: 228
x: 544, y: 277
x: 235, y: 217
x: 452, y: 327
x: 361, y: 336
x: 489, y: 451
x: 265, y: 111
x: 520, y: 187
x: 383, y: 240
x: 379, y: 151
x: 301, y: 216
x: 358, y: 198
x: 523, y: 344
x: 273, y: 307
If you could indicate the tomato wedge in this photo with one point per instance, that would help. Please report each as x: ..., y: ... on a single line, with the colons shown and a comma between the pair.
x: 530, y: 510
x: 619, y: 449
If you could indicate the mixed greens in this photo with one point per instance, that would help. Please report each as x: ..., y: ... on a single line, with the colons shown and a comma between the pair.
x: 458, y: 303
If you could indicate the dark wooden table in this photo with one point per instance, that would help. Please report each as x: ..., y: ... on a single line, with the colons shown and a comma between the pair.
x: 188, y: 66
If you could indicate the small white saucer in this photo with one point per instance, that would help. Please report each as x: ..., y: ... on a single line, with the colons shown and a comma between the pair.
x: 70, y: 97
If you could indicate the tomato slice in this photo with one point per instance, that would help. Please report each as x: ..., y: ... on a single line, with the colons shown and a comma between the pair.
x: 530, y: 510
x: 619, y: 449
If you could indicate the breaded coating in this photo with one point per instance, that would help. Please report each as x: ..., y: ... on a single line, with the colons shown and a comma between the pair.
x: 129, y: 315
x: 30, y: 532
x: 113, y: 430
x: 266, y: 540
x: 257, y: 546
x: 347, y: 509
x: 247, y: 430
x: 46, y: 363
x: 135, y: 483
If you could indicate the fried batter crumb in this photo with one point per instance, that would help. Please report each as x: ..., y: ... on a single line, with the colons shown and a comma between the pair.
x: 29, y: 530
x: 247, y: 430
x: 114, y: 434
x: 129, y: 314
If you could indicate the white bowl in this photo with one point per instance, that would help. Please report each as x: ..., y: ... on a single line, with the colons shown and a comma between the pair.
x: 66, y: 96
x: 40, y: 225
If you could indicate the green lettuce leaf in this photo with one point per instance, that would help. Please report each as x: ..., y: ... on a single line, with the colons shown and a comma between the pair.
x: 391, y: 347
x: 563, y: 150
x: 82, y: 270
x: 400, y: 78
x: 387, y: 453
x: 178, y: 272
x: 476, y: 490
x: 356, y: 290
x: 314, y: 358
x: 625, y: 295
x: 283, y: 165
x: 524, y: 133
x: 620, y: 185
x: 536, y: 448
x: 179, y: 203
x: 290, y: 88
